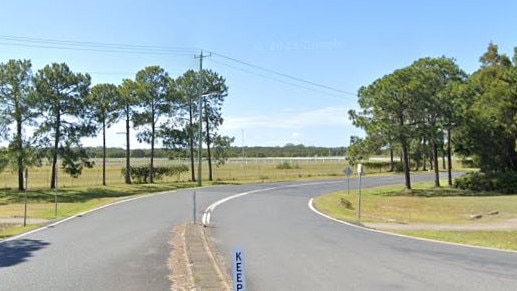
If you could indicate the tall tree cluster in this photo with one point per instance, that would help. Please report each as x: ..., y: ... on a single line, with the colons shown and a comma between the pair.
x: 49, y: 112
x: 432, y: 108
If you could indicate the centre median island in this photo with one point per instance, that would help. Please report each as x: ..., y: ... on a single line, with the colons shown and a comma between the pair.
x: 444, y: 213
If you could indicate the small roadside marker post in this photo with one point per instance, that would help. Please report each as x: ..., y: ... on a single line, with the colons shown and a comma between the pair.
x: 194, y: 207
x: 25, y: 196
x: 239, y: 274
x: 348, y: 172
x: 360, y: 170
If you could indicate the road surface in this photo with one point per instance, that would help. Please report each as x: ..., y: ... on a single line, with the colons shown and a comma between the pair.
x: 289, y: 247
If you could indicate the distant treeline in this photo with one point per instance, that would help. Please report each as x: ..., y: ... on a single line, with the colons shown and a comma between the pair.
x: 233, y: 152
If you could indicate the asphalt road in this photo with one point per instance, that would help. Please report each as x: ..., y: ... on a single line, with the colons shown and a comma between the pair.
x: 289, y: 247
x: 121, y: 247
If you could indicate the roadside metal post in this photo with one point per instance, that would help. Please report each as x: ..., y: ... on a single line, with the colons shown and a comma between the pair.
x: 55, y: 193
x: 348, y: 185
x: 25, y: 197
x: 194, y: 207
x: 360, y: 172
x: 348, y: 172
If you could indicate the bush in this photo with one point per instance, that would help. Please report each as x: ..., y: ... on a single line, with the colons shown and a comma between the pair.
x: 287, y: 166
x: 381, y: 166
x: 398, y: 166
x: 504, y: 183
x: 469, y: 163
x: 140, y: 174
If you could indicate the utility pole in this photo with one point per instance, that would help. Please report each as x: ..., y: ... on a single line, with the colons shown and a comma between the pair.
x: 200, y: 92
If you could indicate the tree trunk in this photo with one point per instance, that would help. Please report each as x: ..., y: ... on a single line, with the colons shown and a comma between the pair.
x: 424, y: 156
x: 391, y: 159
x: 431, y: 158
x: 405, y: 154
x: 54, y: 155
x: 128, y: 153
x: 191, y: 141
x: 511, y: 156
x: 208, y: 151
x: 21, y: 154
x: 449, y: 158
x: 104, y: 153
x: 151, y: 164
x: 436, y: 167
x: 444, y: 165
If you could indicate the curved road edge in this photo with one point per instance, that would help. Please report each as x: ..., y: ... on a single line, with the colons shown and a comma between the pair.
x: 310, y: 204
x: 63, y: 220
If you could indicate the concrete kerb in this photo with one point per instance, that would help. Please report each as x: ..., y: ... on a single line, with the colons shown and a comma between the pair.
x: 194, y: 261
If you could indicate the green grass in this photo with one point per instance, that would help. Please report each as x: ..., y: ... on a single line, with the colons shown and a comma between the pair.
x: 424, y: 204
x: 493, y: 239
x: 71, y: 201
x: 231, y: 172
x: 15, y: 230
x: 428, y: 205
x: 84, y: 193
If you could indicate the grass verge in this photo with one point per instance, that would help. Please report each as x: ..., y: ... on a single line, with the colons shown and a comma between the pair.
x: 493, y: 239
x: 15, y: 230
x: 71, y: 201
x: 429, y: 207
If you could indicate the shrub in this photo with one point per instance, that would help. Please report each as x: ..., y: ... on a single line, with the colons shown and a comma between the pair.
x: 469, y: 163
x: 287, y: 166
x: 381, y: 166
x: 140, y: 174
x: 504, y: 183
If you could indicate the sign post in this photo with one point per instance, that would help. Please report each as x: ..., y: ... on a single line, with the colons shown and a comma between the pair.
x: 25, y: 196
x: 194, y: 207
x: 239, y: 275
x: 360, y: 170
x: 348, y: 172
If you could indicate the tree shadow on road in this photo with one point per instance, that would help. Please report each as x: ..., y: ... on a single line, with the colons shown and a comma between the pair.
x: 18, y: 251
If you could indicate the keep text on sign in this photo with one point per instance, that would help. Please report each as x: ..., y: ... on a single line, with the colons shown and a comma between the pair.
x: 239, y: 280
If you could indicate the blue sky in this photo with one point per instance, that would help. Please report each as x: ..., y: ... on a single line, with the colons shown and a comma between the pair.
x: 340, y: 44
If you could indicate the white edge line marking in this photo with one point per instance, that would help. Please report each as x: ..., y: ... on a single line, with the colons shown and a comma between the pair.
x: 207, y: 213
x: 311, y: 206
x: 83, y: 213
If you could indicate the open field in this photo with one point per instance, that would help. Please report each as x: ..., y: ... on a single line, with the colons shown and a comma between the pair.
x: 86, y: 192
x: 234, y: 171
x: 439, y: 213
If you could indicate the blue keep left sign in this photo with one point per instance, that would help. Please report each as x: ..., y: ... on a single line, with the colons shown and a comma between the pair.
x: 239, y: 275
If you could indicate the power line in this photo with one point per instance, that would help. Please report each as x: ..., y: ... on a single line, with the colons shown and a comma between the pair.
x: 92, y: 46
x: 140, y: 52
x: 47, y: 43
x: 95, y: 44
x: 284, y: 75
x: 278, y: 80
